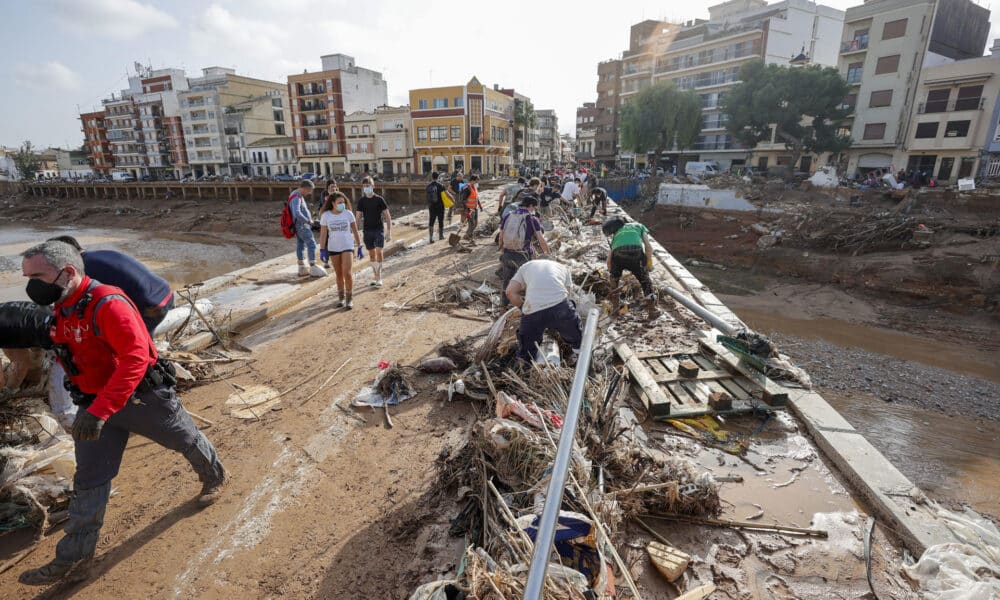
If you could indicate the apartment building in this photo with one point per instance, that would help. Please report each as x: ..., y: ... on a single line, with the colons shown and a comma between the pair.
x: 989, y: 165
x: 549, y: 146
x: 706, y: 56
x: 606, y: 123
x: 269, y: 156
x: 95, y: 139
x: 898, y: 55
x: 526, y: 148
x: 222, y: 113
x: 586, y: 133
x: 319, y: 103
x: 393, y: 140
x: 360, y: 133
x: 128, y: 150
x: 462, y: 127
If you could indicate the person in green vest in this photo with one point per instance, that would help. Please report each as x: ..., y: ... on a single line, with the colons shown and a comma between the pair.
x: 632, y: 252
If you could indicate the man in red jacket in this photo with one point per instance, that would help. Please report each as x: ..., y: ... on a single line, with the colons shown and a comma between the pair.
x: 121, y: 387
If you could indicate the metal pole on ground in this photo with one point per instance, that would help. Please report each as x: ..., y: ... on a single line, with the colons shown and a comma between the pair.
x: 553, y: 497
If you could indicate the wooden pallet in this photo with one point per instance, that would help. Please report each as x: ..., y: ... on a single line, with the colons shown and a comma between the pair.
x: 668, y: 395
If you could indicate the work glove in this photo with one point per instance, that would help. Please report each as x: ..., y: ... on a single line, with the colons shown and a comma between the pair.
x: 649, y: 263
x: 324, y: 255
x: 361, y: 252
x: 86, y: 427
x: 388, y: 237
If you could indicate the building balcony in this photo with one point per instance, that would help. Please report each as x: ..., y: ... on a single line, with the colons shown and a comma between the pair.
x: 859, y: 44
x: 311, y: 90
x: 312, y: 107
x: 233, y: 145
x: 959, y: 104
x: 316, y: 123
x: 317, y: 152
x: 192, y: 103
x: 198, y: 117
x: 313, y: 138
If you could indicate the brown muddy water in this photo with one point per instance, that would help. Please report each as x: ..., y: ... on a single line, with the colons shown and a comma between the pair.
x: 951, y: 457
x: 180, y: 258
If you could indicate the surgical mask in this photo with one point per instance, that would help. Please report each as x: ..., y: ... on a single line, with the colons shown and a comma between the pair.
x: 340, y: 207
x: 43, y: 293
x: 368, y: 191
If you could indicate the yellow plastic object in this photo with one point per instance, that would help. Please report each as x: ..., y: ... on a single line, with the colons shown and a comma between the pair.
x: 669, y: 561
x: 447, y: 200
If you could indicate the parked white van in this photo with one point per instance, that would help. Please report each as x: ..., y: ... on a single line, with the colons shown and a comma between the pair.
x: 701, y: 169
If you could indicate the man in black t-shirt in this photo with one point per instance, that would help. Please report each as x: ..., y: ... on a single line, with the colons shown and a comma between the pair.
x: 371, y: 211
x: 435, y: 207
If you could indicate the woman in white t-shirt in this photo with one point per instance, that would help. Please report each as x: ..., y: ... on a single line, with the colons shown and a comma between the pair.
x: 338, y: 237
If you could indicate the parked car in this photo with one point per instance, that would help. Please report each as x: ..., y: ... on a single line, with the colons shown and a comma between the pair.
x: 148, y: 178
x: 307, y: 176
x: 701, y: 169
x: 283, y: 177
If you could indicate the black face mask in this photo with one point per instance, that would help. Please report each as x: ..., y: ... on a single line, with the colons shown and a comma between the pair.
x: 43, y: 293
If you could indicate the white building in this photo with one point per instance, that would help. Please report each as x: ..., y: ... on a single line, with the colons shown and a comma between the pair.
x: 393, y: 148
x: 359, y: 129
x: 272, y: 155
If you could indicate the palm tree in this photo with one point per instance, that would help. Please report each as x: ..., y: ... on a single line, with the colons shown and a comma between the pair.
x: 524, y: 118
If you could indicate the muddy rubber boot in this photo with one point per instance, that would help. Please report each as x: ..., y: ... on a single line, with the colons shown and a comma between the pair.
x: 303, y: 269
x: 57, y: 571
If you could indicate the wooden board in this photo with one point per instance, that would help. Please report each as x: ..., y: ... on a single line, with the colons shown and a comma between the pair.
x: 666, y: 394
x: 773, y: 394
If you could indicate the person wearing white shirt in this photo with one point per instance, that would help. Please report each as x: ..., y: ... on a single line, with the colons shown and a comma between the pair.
x: 540, y: 288
x: 571, y: 191
x: 338, y: 236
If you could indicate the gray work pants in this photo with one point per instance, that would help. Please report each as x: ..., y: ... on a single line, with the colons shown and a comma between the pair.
x: 158, y: 416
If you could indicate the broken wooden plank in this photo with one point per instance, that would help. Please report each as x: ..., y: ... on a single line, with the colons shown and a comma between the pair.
x: 655, y: 400
x: 774, y: 394
x: 702, y: 376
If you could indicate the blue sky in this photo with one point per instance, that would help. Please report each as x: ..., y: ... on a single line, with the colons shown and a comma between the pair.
x: 60, y: 54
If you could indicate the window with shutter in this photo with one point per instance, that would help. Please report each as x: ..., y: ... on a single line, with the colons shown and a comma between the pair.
x: 894, y: 29
x: 926, y: 130
x: 887, y: 64
x: 880, y: 98
x: 874, y: 131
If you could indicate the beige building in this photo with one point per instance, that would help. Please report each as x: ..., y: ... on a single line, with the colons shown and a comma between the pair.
x: 359, y: 130
x: 270, y: 156
x: 393, y: 145
x: 953, y: 118
x: 885, y: 48
x: 222, y: 113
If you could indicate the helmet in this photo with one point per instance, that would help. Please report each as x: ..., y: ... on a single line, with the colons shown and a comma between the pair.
x: 612, y: 225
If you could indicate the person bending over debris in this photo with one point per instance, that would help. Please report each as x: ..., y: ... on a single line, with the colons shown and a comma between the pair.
x: 598, y: 201
x: 110, y: 357
x: 338, y: 237
x: 372, y: 211
x: 632, y: 252
x: 518, y: 230
x: 540, y: 288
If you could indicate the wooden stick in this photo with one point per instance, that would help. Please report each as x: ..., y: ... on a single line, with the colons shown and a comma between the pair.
x: 204, y: 320
x: 205, y: 361
x: 742, y: 524
x: 653, y: 532
x: 17, y: 558
x: 325, y: 383
x: 198, y: 417
x: 658, y: 486
x: 388, y: 419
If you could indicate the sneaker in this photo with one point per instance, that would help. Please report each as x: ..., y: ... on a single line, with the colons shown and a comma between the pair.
x: 210, y: 492
x: 378, y: 283
x: 350, y: 303
x: 57, y: 572
x: 303, y: 270
x: 316, y: 271
x: 371, y: 283
x: 431, y: 241
x: 340, y: 303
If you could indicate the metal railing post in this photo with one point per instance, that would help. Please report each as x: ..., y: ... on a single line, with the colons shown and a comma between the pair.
x: 553, y: 497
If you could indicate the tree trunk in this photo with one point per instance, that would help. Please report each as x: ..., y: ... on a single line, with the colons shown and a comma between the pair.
x: 796, y: 147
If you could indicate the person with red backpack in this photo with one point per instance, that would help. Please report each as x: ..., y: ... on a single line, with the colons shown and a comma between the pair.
x: 296, y: 221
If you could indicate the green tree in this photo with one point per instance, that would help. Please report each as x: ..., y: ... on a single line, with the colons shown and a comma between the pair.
x: 26, y: 161
x: 524, y: 118
x: 661, y: 117
x: 804, y: 105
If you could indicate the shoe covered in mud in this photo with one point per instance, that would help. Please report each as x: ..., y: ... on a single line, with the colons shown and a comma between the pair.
x: 372, y: 283
x: 316, y: 271
x: 211, y: 491
x: 57, y: 571
x: 378, y: 283
x: 303, y: 270
x: 341, y: 303
x: 350, y: 303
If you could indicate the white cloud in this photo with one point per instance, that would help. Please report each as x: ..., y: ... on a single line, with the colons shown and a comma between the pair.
x: 116, y: 19
x: 51, y: 75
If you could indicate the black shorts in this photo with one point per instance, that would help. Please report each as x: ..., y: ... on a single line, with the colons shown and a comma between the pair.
x: 339, y: 252
x: 374, y: 238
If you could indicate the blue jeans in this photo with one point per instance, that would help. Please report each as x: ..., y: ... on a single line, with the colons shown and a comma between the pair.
x: 304, y: 240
